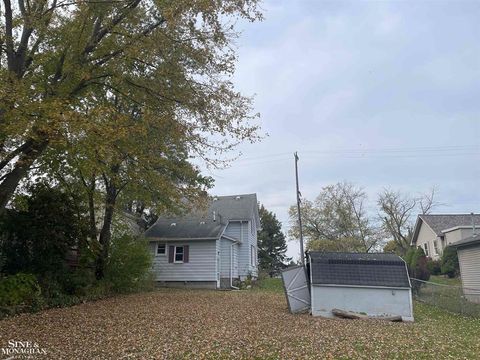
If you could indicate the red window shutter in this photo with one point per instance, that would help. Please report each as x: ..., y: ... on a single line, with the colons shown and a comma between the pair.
x: 171, y: 250
x: 185, y: 253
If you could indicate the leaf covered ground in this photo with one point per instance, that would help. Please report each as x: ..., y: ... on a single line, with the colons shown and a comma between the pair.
x: 201, y: 324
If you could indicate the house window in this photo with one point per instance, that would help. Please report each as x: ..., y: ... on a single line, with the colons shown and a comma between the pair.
x: 252, y: 255
x: 178, y: 254
x: 161, y: 249
x: 435, y: 247
x: 425, y: 248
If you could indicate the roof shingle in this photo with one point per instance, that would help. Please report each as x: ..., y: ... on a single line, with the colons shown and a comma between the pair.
x: 386, y: 270
x: 201, y: 224
x: 440, y: 222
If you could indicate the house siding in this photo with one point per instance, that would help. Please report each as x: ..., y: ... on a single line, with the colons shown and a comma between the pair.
x: 372, y: 301
x: 469, y: 259
x: 428, y: 236
x: 244, y: 252
x: 453, y: 236
x: 225, y: 256
x: 233, y: 230
x: 202, y: 265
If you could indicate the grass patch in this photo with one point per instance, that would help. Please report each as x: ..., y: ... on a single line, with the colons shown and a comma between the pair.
x: 440, y: 279
x: 270, y: 285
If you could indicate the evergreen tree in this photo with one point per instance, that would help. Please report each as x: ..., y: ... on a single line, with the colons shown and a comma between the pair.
x: 271, y: 243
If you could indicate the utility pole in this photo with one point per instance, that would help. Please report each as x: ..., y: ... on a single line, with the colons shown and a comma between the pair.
x: 302, y: 253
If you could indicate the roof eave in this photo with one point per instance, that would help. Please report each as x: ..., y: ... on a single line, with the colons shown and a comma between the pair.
x: 363, y: 286
x: 157, y: 238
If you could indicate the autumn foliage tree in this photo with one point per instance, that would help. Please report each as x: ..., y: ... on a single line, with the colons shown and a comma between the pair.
x: 58, y: 58
x: 337, y: 220
x: 115, y: 98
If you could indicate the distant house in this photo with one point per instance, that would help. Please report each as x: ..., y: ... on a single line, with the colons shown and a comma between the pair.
x: 208, y: 249
x: 434, y: 232
x: 374, y: 284
x: 468, y: 250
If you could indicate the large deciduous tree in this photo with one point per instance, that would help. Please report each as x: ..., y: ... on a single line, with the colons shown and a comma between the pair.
x: 397, y: 211
x: 337, y: 220
x: 271, y: 243
x: 171, y: 59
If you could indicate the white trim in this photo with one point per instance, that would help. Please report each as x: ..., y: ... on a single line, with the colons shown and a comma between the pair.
x: 175, y: 254
x: 230, y: 238
x: 363, y: 286
x: 156, y: 249
x: 426, y: 249
x: 151, y: 239
x: 409, y: 318
x: 457, y: 228
x: 252, y: 255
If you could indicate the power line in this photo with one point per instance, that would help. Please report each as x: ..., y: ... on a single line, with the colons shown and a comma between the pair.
x: 453, y: 149
x: 365, y: 154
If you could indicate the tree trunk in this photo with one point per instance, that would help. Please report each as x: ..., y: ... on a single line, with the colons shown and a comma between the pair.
x: 106, y: 232
x: 91, y: 210
x: 22, y: 166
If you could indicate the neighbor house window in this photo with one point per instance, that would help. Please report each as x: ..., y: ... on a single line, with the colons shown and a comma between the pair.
x: 435, y: 247
x: 178, y: 254
x: 425, y: 248
x: 161, y: 249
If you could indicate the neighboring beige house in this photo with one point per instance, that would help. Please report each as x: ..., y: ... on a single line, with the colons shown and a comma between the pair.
x: 468, y: 250
x: 434, y: 232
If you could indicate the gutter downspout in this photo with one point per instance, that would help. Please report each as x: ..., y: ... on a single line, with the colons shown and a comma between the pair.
x: 231, y: 267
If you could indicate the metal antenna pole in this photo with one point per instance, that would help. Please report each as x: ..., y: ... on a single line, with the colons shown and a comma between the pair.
x: 302, y: 253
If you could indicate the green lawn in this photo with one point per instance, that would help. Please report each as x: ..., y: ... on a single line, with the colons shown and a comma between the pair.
x: 269, y: 284
x: 440, y: 279
x: 249, y: 324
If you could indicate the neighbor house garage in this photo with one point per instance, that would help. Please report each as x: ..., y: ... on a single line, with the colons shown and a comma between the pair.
x: 373, y: 284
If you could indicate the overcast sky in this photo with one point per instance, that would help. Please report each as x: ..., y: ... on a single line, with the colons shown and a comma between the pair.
x: 382, y: 94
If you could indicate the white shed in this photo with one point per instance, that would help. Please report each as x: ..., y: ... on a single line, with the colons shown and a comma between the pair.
x: 372, y: 284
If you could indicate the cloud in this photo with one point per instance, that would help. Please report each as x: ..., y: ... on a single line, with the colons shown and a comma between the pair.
x: 378, y: 78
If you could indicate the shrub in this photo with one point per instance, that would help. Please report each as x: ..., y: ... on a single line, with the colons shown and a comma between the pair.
x: 434, y: 266
x: 19, y: 289
x: 36, y: 236
x: 78, y: 282
x: 128, y: 267
x: 450, y: 266
x: 417, y: 264
x: 408, y: 260
x: 421, y: 271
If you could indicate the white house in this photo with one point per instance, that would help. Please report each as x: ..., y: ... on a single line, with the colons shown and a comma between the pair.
x: 209, y: 249
x: 433, y: 232
x: 373, y: 284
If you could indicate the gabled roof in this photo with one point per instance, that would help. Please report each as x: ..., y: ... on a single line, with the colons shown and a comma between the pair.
x: 385, y: 270
x: 209, y: 223
x: 440, y: 222
x: 472, y: 240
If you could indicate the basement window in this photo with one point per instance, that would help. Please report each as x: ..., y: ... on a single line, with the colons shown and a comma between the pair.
x: 178, y: 254
x: 161, y: 249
